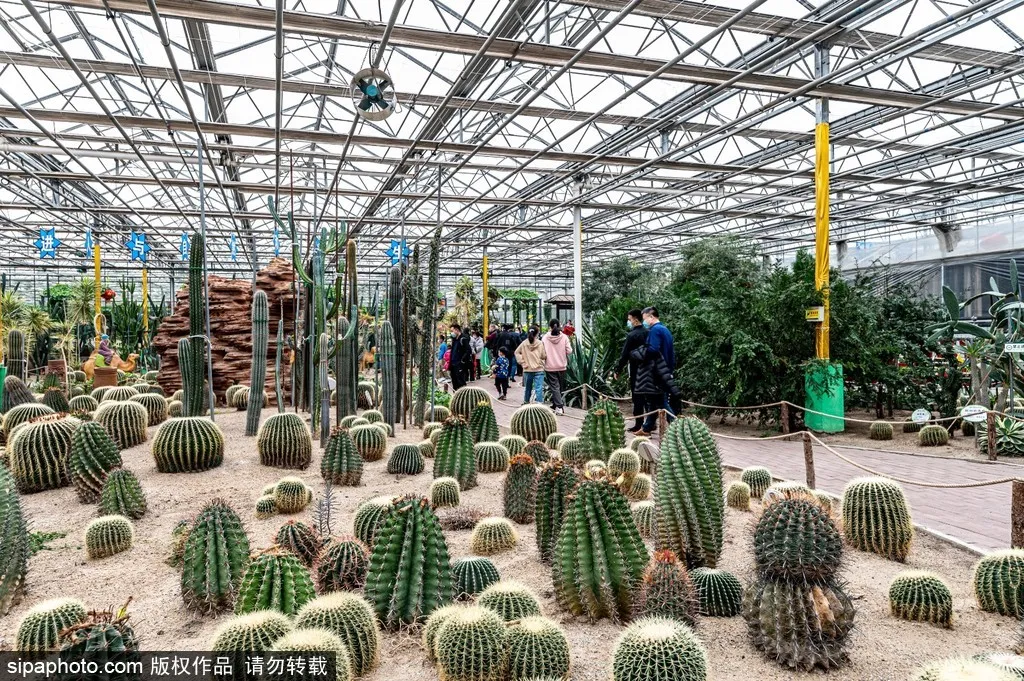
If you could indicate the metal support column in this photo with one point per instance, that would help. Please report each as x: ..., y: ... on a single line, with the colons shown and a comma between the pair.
x: 821, y: 202
x: 577, y: 257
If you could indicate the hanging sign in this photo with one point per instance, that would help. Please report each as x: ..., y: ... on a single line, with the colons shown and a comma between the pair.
x: 88, y: 240
x: 47, y: 243
x: 138, y: 247
x: 975, y: 413
x: 185, y: 247
x: 398, y: 251
x: 815, y: 314
x: 1014, y: 347
x: 233, y: 245
x: 921, y: 416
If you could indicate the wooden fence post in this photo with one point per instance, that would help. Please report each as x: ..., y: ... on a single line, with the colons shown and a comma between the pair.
x: 662, y: 424
x: 990, y: 423
x: 1017, y: 515
x: 784, y: 417
x: 809, y: 460
x: 583, y: 389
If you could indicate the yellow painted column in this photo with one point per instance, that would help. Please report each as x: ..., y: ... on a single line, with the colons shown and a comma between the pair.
x: 96, y: 303
x: 821, y: 235
x: 486, y: 299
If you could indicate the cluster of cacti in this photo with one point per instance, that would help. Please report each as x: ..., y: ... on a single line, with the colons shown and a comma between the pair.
x: 552, y: 440
x: 737, y: 495
x: 533, y: 422
x: 537, y: 451
x: 999, y: 582
x: 454, y: 456
x: 719, y: 593
x: 291, y: 495
x: 83, y: 403
x: 350, y: 618
x: 666, y: 590
x: 121, y: 393
x: 555, y: 486
x: 911, y: 426
x: 470, y: 645
x: 40, y: 628
x: 15, y: 393
x: 659, y: 649
x: 102, y: 634
x: 14, y: 539
x: 603, y: 430
x: 341, y: 463
x: 515, y: 444
x: 108, y: 535
x: 643, y: 518
x: 933, y: 436
x: 38, y: 453
x: 406, y: 460
x: 410, y: 574
x: 876, y: 517
x: 275, y: 580
x: 21, y: 414
x: 341, y: 565
x: 570, y: 450
x: 300, y: 539
x: 758, y: 478
x: 464, y: 401
x: 370, y: 516
x: 537, y: 649
x: 598, y: 578
x: 284, y: 441
x: 493, y: 535
x: 491, y: 457
x: 371, y: 442
x: 258, y: 367
x: 266, y: 507
x: 689, y: 498
x: 520, y: 489
x: 122, y: 495
x: 93, y: 455
x: 125, y: 422
x: 188, y: 445
x: 472, y: 575
x: 921, y: 597
x: 510, y: 599
x: 483, y: 425
x: 17, y: 363
x: 880, y: 430
x: 444, y: 492
x: 216, y: 554
x: 55, y: 399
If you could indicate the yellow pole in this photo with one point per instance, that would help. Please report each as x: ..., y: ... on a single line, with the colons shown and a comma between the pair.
x: 821, y: 250
x: 486, y: 326
x: 96, y: 301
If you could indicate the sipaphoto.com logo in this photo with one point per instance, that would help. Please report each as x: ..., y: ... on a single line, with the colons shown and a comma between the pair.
x: 79, y: 668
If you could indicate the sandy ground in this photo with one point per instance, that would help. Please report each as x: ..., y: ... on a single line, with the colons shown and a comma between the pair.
x: 882, y: 647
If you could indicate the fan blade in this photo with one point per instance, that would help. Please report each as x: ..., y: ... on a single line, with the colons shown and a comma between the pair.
x: 384, y: 83
x: 366, y: 104
x: 362, y: 83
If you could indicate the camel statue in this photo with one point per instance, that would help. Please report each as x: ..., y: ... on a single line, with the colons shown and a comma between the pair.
x: 89, y: 365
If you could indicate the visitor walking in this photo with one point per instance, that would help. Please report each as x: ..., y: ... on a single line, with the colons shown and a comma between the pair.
x: 530, y: 355
x: 657, y: 361
x: 460, y: 358
x: 635, y: 338
x: 501, y: 371
x: 557, y: 350
x: 569, y: 329
x: 476, y: 344
x: 507, y: 339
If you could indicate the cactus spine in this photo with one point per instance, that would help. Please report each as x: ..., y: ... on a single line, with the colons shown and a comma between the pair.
x: 520, y: 489
x: 555, y: 485
x: 405, y: 460
x: 387, y: 354
x: 156, y: 408
x: 370, y: 516
x: 247, y: 634
x: 300, y: 539
x: 454, y: 456
x: 258, y: 370
x: 758, y: 478
x: 14, y: 539
x: 93, y: 456
x: 511, y: 600
x: 921, y: 597
x: 737, y: 495
x: 126, y: 422
x: 465, y: 400
x: 291, y: 495
x: 216, y: 553
x: 444, y: 492
x: 876, y: 517
x: 933, y: 436
x: 275, y: 580
x: 284, y: 441
x: 491, y: 457
x: 666, y: 590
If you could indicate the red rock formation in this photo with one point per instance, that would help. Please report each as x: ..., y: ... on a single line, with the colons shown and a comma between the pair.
x: 231, y: 328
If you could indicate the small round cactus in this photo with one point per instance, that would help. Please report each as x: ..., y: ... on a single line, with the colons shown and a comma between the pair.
x: 552, y: 440
x: 921, y: 597
x: 341, y: 463
x: 300, y: 539
x: 595, y: 468
x: 640, y: 489
x: 126, y: 422
x: 430, y: 427
x: 515, y: 444
x: 266, y: 507
x: 93, y: 455
x: 350, y: 618
x: 880, y: 430
x: 369, y: 516
x: 512, y: 600
x: 385, y: 428
x: 188, y: 445
x: 719, y: 593
x: 427, y: 449
x: 787, y: 489
x: 122, y: 495
x: 99, y: 393
x: 38, y: 453
x: 341, y: 565
x: 291, y: 495
x: 491, y: 457
x: 758, y: 478
x: 405, y: 460
x: 644, y: 517
x: 108, y: 535
x: 156, y: 407
x: 624, y: 463
x: 83, y: 403
x: 533, y: 422
x: 470, y: 646
x: 999, y: 582
x: 39, y: 630
x: 493, y: 535
x: 371, y: 442
x: 876, y: 517
x: 346, y: 421
x: 910, y: 426
x: 933, y: 436
x: 537, y: 649
x: 659, y: 649
x: 472, y: 575
x: 444, y: 492
x: 433, y: 625
x: 357, y: 421
x: 253, y: 632
x: 175, y: 409
x: 737, y: 495
x: 373, y: 416
x: 55, y: 399
x: 307, y: 641
x: 275, y: 580
x: 570, y: 450
x: 121, y: 393
x: 284, y: 441
x: 464, y: 401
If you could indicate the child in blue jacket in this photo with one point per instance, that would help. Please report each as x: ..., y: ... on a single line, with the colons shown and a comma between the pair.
x: 500, y: 370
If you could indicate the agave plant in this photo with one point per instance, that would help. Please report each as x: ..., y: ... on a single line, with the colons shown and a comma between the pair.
x: 589, y: 364
x: 1009, y: 436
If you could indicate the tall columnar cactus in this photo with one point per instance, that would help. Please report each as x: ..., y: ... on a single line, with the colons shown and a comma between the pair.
x: 284, y: 441
x: 93, y: 455
x: 125, y: 422
x: 428, y: 307
x: 999, y: 582
x: 216, y: 554
x: 483, y: 424
x: 876, y: 517
x: 520, y: 489
x: 14, y: 539
x: 759, y: 479
x: 341, y: 463
x: 537, y: 648
x: 108, y: 535
x: 533, y: 422
x: 921, y: 597
x: 466, y: 399
x: 188, y: 445
x: 275, y: 580
x: 156, y: 407
x: 39, y: 630
x: 122, y: 495
x: 471, y: 646
x: 371, y: 442
x: 396, y: 320
x: 556, y: 483
x: 15, y: 393
x: 666, y: 590
x: 410, y: 574
x: 341, y: 565
x: 880, y: 430
x: 258, y: 369
x: 491, y: 457
x: 454, y: 456
x: 603, y: 431
x: 472, y: 575
x: 689, y: 498
x: 387, y: 358
x: 324, y: 402
x: 38, y: 453
x: 17, y: 363
x: 599, y: 557
x: 192, y: 350
x: 720, y: 592
x: 405, y: 460
x: 352, y: 620
x: 659, y: 649
x: 300, y: 539
x: 278, y: 352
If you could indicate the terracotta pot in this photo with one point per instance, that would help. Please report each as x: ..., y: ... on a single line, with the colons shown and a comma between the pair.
x: 104, y: 376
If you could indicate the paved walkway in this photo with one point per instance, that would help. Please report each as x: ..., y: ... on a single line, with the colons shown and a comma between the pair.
x: 977, y: 516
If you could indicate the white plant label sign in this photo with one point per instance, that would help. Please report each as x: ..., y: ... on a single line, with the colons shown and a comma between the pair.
x: 921, y: 416
x: 975, y: 413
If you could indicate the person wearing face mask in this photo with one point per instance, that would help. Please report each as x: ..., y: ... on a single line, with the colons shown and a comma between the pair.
x: 556, y: 350
x: 656, y: 362
x: 636, y: 337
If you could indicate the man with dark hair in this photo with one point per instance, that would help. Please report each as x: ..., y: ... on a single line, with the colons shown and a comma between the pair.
x: 509, y: 340
x: 636, y: 337
x: 656, y: 362
x: 460, y: 357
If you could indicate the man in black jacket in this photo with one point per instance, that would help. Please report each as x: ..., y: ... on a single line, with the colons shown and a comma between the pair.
x: 636, y: 338
x: 460, y: 357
